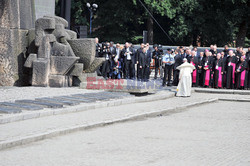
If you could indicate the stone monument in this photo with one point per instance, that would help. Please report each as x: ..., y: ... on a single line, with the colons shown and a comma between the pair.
x: 16, y: 18
x: 36, y: 49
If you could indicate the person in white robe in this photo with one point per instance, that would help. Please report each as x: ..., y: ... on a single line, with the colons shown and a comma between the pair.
x: 185, y: 77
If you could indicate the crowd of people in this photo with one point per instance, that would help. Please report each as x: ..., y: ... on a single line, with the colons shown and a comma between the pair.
x: 217, y: 69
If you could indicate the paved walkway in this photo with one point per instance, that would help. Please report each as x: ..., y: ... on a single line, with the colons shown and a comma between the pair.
x: 215, y: 134
x: 107, y: 108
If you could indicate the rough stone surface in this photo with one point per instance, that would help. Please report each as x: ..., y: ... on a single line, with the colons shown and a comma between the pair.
x: 44, y: 7
x: 58, y: 81
x: 76, y: 70
x: 40, y: 73
x: 95, y: 65
x: 71, y: 34
x: 13, y: 43
x: 41, y: 25
x: 85, y: 49
x: 60, y: 65
x: 9, y: 14
x: 58, y: 20
x: 27, y: 14
x: 29, y: 62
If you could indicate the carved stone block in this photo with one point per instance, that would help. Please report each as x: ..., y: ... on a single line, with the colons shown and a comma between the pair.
x: 41, y: 25
x: 40, y: 72
x: 85, y: 49
x: 94, y: 66
x: 30, y: 60
x: 60, y: 65
x: 76, y: 70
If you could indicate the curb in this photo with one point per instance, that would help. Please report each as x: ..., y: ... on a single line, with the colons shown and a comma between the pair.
x: 38, y: 137
x: 83, y: 107
x: 234, y: 100
x: 220, y: 91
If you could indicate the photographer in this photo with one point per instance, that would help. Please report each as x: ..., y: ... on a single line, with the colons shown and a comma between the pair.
x: 107, y: 63
x: 157, y: 56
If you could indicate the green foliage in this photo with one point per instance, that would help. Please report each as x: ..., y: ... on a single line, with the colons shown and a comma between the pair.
x: 186, y: 21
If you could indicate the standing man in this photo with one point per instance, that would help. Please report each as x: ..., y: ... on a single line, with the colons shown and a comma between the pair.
x: 144, y: 62
x: 178, y: 61
x: 107, y: 63
x: 188, y: 55
x: 117, y: 50
x: 200, y: 68
x: 226, y: 50
x: 248, y: 62
x: 224, y: 67
x: 207, y: 67
x: 112, y: 49
x: 195, y: 76
x: 137, y: 60
x: 168, y: 60
x: 157, y: 57
x: 231, y: 67
x: 185, y: 83
x: 218, y: 72
x: 128, y: 58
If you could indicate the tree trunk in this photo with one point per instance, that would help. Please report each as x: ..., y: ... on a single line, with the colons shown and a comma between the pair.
x: 240, y: 41
x: 150, y: 28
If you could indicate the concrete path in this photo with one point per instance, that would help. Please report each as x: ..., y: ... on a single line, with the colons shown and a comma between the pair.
x: 212, y: 134
x: 30, y: 126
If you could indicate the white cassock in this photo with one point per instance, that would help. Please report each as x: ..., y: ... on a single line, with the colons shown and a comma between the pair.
x: 185, y: 83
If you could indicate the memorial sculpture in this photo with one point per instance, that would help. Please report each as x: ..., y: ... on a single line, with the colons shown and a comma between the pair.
x: 55, y: 63
x: 41, y: 52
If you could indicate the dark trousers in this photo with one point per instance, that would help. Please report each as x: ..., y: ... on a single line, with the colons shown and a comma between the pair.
x: 138, y: 73
x: 156, y: 71
x: 167, y: 74
x: 105, y: 68
x: 176, y: 77
x: 200, y: 76
x: 144, y: 73
x: 128, y: 69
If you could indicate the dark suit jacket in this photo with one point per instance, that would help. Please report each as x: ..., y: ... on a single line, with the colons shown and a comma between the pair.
x: 178, y: 61
x: 125, y: 57
x: 144, y: 59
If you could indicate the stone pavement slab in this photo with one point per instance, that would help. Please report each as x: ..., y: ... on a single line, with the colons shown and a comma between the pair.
x: 16, y: 133
x: 57, y: 101
x: 21, y: 106
x: 72, y: 98
x: 7, y: 110
x: 40, y: 103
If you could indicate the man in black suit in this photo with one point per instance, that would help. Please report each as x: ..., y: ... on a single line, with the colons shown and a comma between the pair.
x: 156, y: 55
x: 129, y: 60
x: 188, y: 55
x: 200, y: 68
x: 112, y: 49
x: 144, y: 63
x: 178, y: 61
x: 108, y: 60
x: 139, y: 50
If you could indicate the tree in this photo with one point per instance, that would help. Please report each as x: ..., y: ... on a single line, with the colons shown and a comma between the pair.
x: 196, y: 22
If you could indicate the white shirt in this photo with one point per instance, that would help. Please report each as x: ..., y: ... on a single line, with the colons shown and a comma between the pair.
x: 128, y: 54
